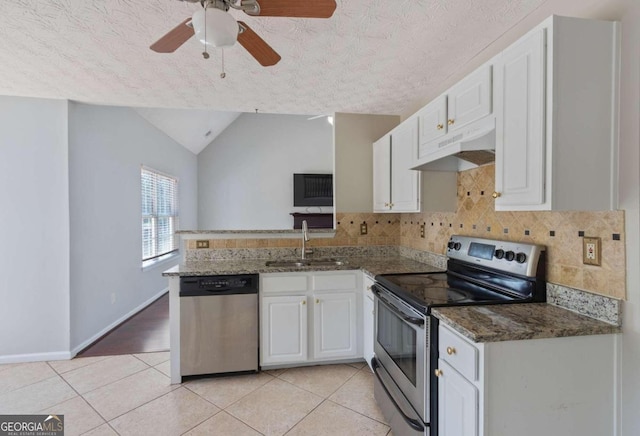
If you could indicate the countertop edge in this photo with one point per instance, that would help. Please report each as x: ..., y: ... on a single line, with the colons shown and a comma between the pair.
x: 597, y: 327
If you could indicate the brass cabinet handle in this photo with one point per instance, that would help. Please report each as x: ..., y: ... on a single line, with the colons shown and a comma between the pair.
x: 303, y: 302
x: 451, y: 351
x: 440, y: 126
x: 386, y: 205
x: 438, y: 372
x: 317, y: 301
x: 368, y: 288
x: 451, y: 122
x: 496, y: 194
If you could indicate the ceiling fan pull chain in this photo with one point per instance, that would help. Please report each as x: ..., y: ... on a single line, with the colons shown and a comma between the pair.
x: 205, y: 53
x: 223, y: 74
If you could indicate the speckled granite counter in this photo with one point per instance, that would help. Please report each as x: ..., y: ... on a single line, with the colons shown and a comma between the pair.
x: 370, y: 265
x: 511, y: 322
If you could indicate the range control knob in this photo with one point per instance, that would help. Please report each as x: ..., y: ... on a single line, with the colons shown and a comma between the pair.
x: 457, y: 246
x: 499, y: 254
x: 509, y: 255
x: 521, y: 258
x: 450, y: 245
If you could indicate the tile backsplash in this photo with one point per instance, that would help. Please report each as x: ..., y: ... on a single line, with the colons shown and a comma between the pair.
x: 560, y: 232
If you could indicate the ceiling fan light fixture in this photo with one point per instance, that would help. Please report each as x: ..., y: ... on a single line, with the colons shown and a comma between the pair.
x: 217, y: 28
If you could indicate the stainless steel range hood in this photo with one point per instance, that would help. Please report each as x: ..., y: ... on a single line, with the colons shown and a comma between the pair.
x: 474, y: 144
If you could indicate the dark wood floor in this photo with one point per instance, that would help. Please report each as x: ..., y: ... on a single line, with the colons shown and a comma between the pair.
x: 145, y: 332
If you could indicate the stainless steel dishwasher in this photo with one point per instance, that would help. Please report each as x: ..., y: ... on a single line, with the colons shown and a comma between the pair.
x: 218, y: 324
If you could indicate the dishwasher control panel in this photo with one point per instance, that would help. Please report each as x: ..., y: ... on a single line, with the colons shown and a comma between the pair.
x: 220, y: 285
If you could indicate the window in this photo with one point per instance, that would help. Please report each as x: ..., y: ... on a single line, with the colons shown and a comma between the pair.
x: 159, y: 214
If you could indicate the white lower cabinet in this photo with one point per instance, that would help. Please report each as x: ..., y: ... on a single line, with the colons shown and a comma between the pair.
x: 334, y: 325
x: 310, y: 317
x: 458, y: 403
x: 284, y: 329
x: 552, y: 387
x: 368, y: 330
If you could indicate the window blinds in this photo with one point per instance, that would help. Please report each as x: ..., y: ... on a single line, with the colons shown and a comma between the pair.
x: 159, y: 213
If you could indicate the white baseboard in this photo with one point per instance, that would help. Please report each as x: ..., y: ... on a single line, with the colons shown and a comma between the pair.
x: 114, y: 324
x: 36, y: 357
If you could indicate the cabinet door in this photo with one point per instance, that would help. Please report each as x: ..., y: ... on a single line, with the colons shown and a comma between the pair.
x: 405, y: 183
x: 368, y: 320
x: 457, y: 403
x: 520, y: 130
x: 334, y: 325
x: 382, y: 174
x: 432, y: 123
x: 284, y: 329
x: 470, y: 99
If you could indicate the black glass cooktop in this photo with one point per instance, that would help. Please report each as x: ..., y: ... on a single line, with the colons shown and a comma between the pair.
x: 425, y: 290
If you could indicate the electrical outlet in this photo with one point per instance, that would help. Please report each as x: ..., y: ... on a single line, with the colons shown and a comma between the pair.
x: 363, y: 228
x: 422, y: 230
x: 591, y: 251
x: 202, y: 244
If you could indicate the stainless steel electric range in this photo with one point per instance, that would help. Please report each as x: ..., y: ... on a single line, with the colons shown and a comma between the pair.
x: 479, y: 271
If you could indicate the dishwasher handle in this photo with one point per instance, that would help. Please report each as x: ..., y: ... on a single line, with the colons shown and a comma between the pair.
x: 214, y: 292
x: 202, y: 286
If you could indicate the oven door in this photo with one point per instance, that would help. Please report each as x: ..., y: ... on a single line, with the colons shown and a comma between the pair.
x: 401, y: 347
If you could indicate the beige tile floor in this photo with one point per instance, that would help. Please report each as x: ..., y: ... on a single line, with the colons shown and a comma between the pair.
x: 131, y: 395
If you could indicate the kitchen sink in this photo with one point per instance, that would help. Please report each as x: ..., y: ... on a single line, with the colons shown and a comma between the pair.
x: 299, y: 263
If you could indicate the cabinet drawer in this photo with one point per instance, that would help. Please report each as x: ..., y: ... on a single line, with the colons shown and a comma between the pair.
x: 458, y: 353
x: 334, y: 282
x: 291, y: 283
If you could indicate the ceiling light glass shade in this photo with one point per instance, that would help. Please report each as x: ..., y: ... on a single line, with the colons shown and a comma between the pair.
x: 221, y: 28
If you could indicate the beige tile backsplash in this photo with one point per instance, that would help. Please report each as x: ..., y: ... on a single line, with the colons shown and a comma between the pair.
x: 476, y: 216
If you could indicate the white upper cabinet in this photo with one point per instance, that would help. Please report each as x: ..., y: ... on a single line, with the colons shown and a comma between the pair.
x: 432, y: 120
x: 396, y: 188
x: 405, y: 183
x: 468, y: 101
x: 382, y: 174
x: 556, y: 128
x: 520, y: 164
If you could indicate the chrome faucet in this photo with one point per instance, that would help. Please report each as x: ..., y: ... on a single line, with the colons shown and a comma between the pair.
x: 305, y: 239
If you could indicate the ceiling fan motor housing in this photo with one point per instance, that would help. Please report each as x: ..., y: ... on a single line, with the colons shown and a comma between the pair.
x: 215, y: 27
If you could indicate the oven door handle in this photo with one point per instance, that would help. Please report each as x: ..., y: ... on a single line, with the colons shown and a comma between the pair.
x: 413, y: 423
x: 410, y: 319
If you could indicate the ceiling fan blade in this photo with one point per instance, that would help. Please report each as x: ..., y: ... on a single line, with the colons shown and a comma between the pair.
x: 296, y: 8
x: 174, y: 39
x: 257, y: 47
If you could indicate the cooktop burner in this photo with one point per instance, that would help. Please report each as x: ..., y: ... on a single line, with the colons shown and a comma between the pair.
x: 425, y: 290
x: 428, y: 287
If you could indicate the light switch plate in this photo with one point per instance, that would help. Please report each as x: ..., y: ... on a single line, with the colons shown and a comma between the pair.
x: 591, y: 250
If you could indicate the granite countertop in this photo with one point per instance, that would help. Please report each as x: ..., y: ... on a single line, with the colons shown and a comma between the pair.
x: 370, y: 265
x: 511, y: 322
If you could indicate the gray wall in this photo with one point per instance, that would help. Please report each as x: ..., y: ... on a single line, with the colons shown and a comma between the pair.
x: 34, y: 230
x: 629, y: 200
x: 245, y: 175
x: 107, y: 146
x: 355, y: 135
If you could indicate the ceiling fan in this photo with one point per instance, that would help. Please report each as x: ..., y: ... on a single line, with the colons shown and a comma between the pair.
x: 214, y: 26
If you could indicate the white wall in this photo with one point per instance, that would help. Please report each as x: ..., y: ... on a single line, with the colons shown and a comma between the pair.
x: 34, y: 230
x: 107, y: 146
x: 245, y: 176
x: 355, y: 134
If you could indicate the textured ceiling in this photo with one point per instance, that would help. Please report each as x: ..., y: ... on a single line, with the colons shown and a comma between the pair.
x: 372, y: 56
